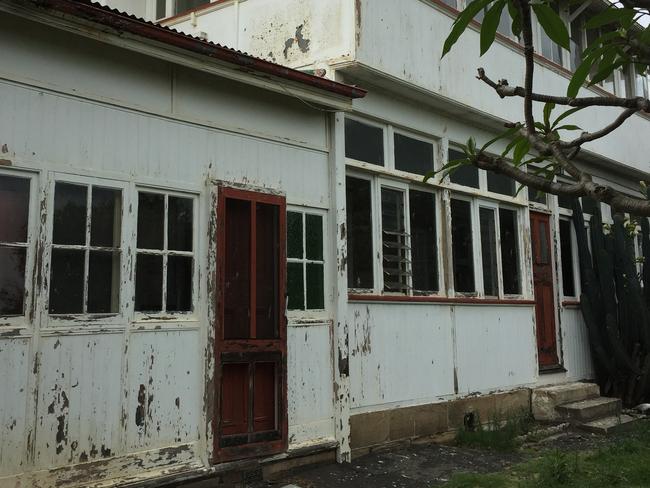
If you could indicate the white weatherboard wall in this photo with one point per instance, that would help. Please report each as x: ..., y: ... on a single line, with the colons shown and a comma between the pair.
x: 70, y: 394
x: 414, y: 353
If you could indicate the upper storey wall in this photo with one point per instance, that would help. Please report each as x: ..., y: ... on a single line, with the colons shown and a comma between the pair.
x: 404, y: 40
x: 293, y: 33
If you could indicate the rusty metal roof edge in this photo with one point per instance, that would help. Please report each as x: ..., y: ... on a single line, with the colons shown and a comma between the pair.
x: 120, y: 21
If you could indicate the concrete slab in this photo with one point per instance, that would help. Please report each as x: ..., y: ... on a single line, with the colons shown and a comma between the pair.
x: 593, y: 408
x: 545, y: 400
x: 611, y: 425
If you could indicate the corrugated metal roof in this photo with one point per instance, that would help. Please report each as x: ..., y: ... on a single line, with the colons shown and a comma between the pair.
x: 125, y: 22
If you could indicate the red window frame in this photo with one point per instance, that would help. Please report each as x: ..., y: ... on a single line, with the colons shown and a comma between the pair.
x: 250, y: 351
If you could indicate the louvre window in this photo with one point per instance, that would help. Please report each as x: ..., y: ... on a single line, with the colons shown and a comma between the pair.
x: 395, y: 255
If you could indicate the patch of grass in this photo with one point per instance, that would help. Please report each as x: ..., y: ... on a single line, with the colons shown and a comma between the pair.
x: 497, y: 435
x: 625, y: 462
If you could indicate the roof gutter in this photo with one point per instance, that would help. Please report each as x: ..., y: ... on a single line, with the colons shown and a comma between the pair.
x: 124, y: 23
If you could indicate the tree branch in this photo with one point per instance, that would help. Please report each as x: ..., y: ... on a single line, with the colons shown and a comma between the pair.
x: 504, y: 90
x: 529, y: 50
x: 592, y: 136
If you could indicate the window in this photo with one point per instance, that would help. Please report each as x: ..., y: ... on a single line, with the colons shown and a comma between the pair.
x: 413, y: 155
x: 499, y: 183
x: 359, y: 220
x: 462, y: 247
x: 14, y: 239
x: 165, y: 253
x: 549, y: 49
x: 393, y: 239
x: 498, y: 237
x: 466, y: 175
x: 305, y: 261
x: 167, y: 8
x: 364, y: 142
x: 86, y: 249
x: 566, y: 251
x: 424, y: 249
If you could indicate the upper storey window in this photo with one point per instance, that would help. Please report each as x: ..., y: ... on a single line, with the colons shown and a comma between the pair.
x: 364, y: 142
x: 167, y: 8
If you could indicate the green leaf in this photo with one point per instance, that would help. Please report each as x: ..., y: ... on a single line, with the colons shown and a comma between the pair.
x: 548, y: 108
x: 552, y: 25
x: 490, y: 24
x: 470, y: 149
x: 605, y: 71
x: 578, y: 78
x: 566, y: 114
x: 541, y: 127
x: 505, y: 134
x: 512, y: 144
x: 623, y: 16
x: 461, y: 23
x: 569, y: 127
x: 449, y: 167
x: 521, y: 149
x: 516, y: 19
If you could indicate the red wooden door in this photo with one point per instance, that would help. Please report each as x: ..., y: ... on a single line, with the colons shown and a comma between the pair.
x: 544, y: 295
x: 251, y: 414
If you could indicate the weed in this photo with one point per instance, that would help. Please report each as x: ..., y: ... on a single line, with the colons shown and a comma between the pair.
x: 497, y: 435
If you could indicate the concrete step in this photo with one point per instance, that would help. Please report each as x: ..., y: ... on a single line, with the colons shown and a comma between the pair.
x: 612, y: 425
x: 593, y: 408
x: 545, y: 399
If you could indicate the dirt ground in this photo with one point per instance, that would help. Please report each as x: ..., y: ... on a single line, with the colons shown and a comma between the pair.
x: 424, y: 465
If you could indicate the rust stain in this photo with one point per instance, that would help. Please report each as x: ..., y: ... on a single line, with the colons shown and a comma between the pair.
x: 5, y: 162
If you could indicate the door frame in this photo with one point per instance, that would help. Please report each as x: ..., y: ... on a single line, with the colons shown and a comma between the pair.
x: 264, y: 347
x: 553, y: 236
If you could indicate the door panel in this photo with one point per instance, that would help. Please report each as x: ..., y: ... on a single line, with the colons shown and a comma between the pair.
x: 251, y: 412
x: 544, y: 290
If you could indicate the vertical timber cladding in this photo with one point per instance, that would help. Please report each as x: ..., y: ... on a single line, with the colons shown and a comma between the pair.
x: 251, y: 334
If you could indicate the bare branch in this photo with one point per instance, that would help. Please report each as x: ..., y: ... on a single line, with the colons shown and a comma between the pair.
x: 529, y: 50
x: 592, y: 136
x: 504, y: 90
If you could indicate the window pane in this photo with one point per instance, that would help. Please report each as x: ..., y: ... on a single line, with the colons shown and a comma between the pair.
x: 14, y: 202
x: 314, y: 237
x: 489, y: 252
x: 148, y: 283
x: 550, y: 50
x: 238, y: 275
x: 422, y: 210
x: 183, y: 5
x: 295, y: 286
x: 12, y: 280
x: 509, y: 251
x: 294, y: 235
x: 70, y: 202
x: 462, y: 253
x: 499, y: 183
x: 566, y: 248
x: 268, y: 248
x: 537, y: 196
x: 161, y: 8
x: 105, y: 217
x: 179, y: 283
x: 466, y: 175
x: 151, y: 220
x: 564, y: 201
x: 67, y: 281
x: 315, y: 288
x: 413, y: 155
x: 179, y: 225
x: 393, y: 238
x: 359, y: 233
x: 364, y: 142
x: 103, y: 282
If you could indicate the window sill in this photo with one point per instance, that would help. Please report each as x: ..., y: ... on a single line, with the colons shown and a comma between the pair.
x: 353, y: 297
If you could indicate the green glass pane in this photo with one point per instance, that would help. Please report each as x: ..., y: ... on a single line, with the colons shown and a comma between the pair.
x: 314, y: 237
x: 295, y: 287
x: 315, y: 287
x: 294, y: 235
